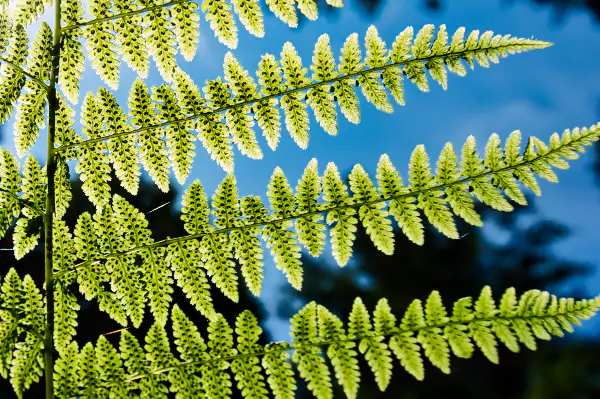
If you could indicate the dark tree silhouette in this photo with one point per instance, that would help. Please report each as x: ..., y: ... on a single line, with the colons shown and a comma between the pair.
x: 456, y: 269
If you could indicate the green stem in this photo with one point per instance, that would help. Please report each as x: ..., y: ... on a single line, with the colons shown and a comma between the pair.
x: 24, y: 72
x: 53, y: 105
x: 457, y: 54
x: 123, y: 15
x: 466, y: 179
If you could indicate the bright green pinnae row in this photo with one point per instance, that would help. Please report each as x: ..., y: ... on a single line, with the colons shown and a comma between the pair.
x: 324, y: 347
x: 230, y: 229
x: 225, y: 112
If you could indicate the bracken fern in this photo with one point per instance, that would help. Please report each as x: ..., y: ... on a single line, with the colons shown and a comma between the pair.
x: 111, y: 257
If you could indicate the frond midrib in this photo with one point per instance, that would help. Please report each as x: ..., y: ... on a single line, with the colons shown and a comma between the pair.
x: 123, y: 15
x: 459, y: 54
x: 397, y: 331
x: 25, y: 73
x: 169, y: 241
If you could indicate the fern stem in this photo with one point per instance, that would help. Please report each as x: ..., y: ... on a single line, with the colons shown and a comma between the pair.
x: 23, y: 202
x: 53, y: 105
x: 169, y: 241
x: 22, y: 71
x: 354, y: 339
x: 284, y: 93
x: 122, y: 15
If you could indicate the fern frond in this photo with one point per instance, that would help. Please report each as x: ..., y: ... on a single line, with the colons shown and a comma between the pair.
x: 160, y: 39
x: 247, y: 371
x: 28, y: 229
x: 152, y: 146
x: 179, y: 139
x: 93, y: 166
x: 122, y: 151
x: 66, y: 371
x: 235, y: 102
x: 427, y: 330
x: 32, y: 104
x: 311, y: 365
x: 10, y: 187
x: 65, y: 318
x: 110, y: 367
x: 238, y: 222
x: 71, y: 64
x: 100, y: 44
x: 12, y: 77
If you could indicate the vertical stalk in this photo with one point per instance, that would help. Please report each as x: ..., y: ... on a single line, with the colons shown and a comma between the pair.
x: 49, y: 215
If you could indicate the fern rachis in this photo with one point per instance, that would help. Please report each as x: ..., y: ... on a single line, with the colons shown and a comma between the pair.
x: 111, y: 257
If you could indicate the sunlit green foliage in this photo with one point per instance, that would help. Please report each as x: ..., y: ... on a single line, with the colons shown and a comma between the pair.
x: 111, y: 257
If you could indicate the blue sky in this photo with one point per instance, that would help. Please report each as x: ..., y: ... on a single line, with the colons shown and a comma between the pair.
x: 538, y: 92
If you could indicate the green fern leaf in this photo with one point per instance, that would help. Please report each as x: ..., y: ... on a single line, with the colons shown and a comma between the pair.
x: 247, y: 371
x: 65, y: 319
x: 10, y: 182
x: 457, y: 195
x: 32, y: 104
x: 215, y: 380
x: 284, y: 246
x: 296, y: 117
x: 267, y: 113
x: 311, y: 365
x: 152, y: 151
x: 27, y: 364
x: 335, y: 194
x: 279, y: 371
x: 71, y: 64
x: 159, y: 355
x: 179, y: 139
x: 160, y: 39
x: 12, y: 80
x: 375, y: 350
x: 220, y: 17
x: 27, y: 231
x: 66, y: 372
x: 483, y: 189
x: 434, y: 344
x: 125, y: 284
x: 130, y: 38
x: 430, y: 201
x: 100, y: 43
x: 341, y: 353
x: 123, y: 153
x: 285, y: 10
x: 320, y: 98
x: 89, y: 373
x: 311, y: 231
x: 246, y: 244
x: 28, y: 11
x: 250, y: 15
x: 373, y: 218
x: 110, y: 367
x: 93, y: 166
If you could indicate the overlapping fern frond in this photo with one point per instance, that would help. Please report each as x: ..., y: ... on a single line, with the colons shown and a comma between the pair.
x: 22, y: 326
x: 18, y: 71
x: 227, y: 112
x: 227, y: 230
x: 23, y: 199
x: 139, y: 30
x: 324, y: 348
